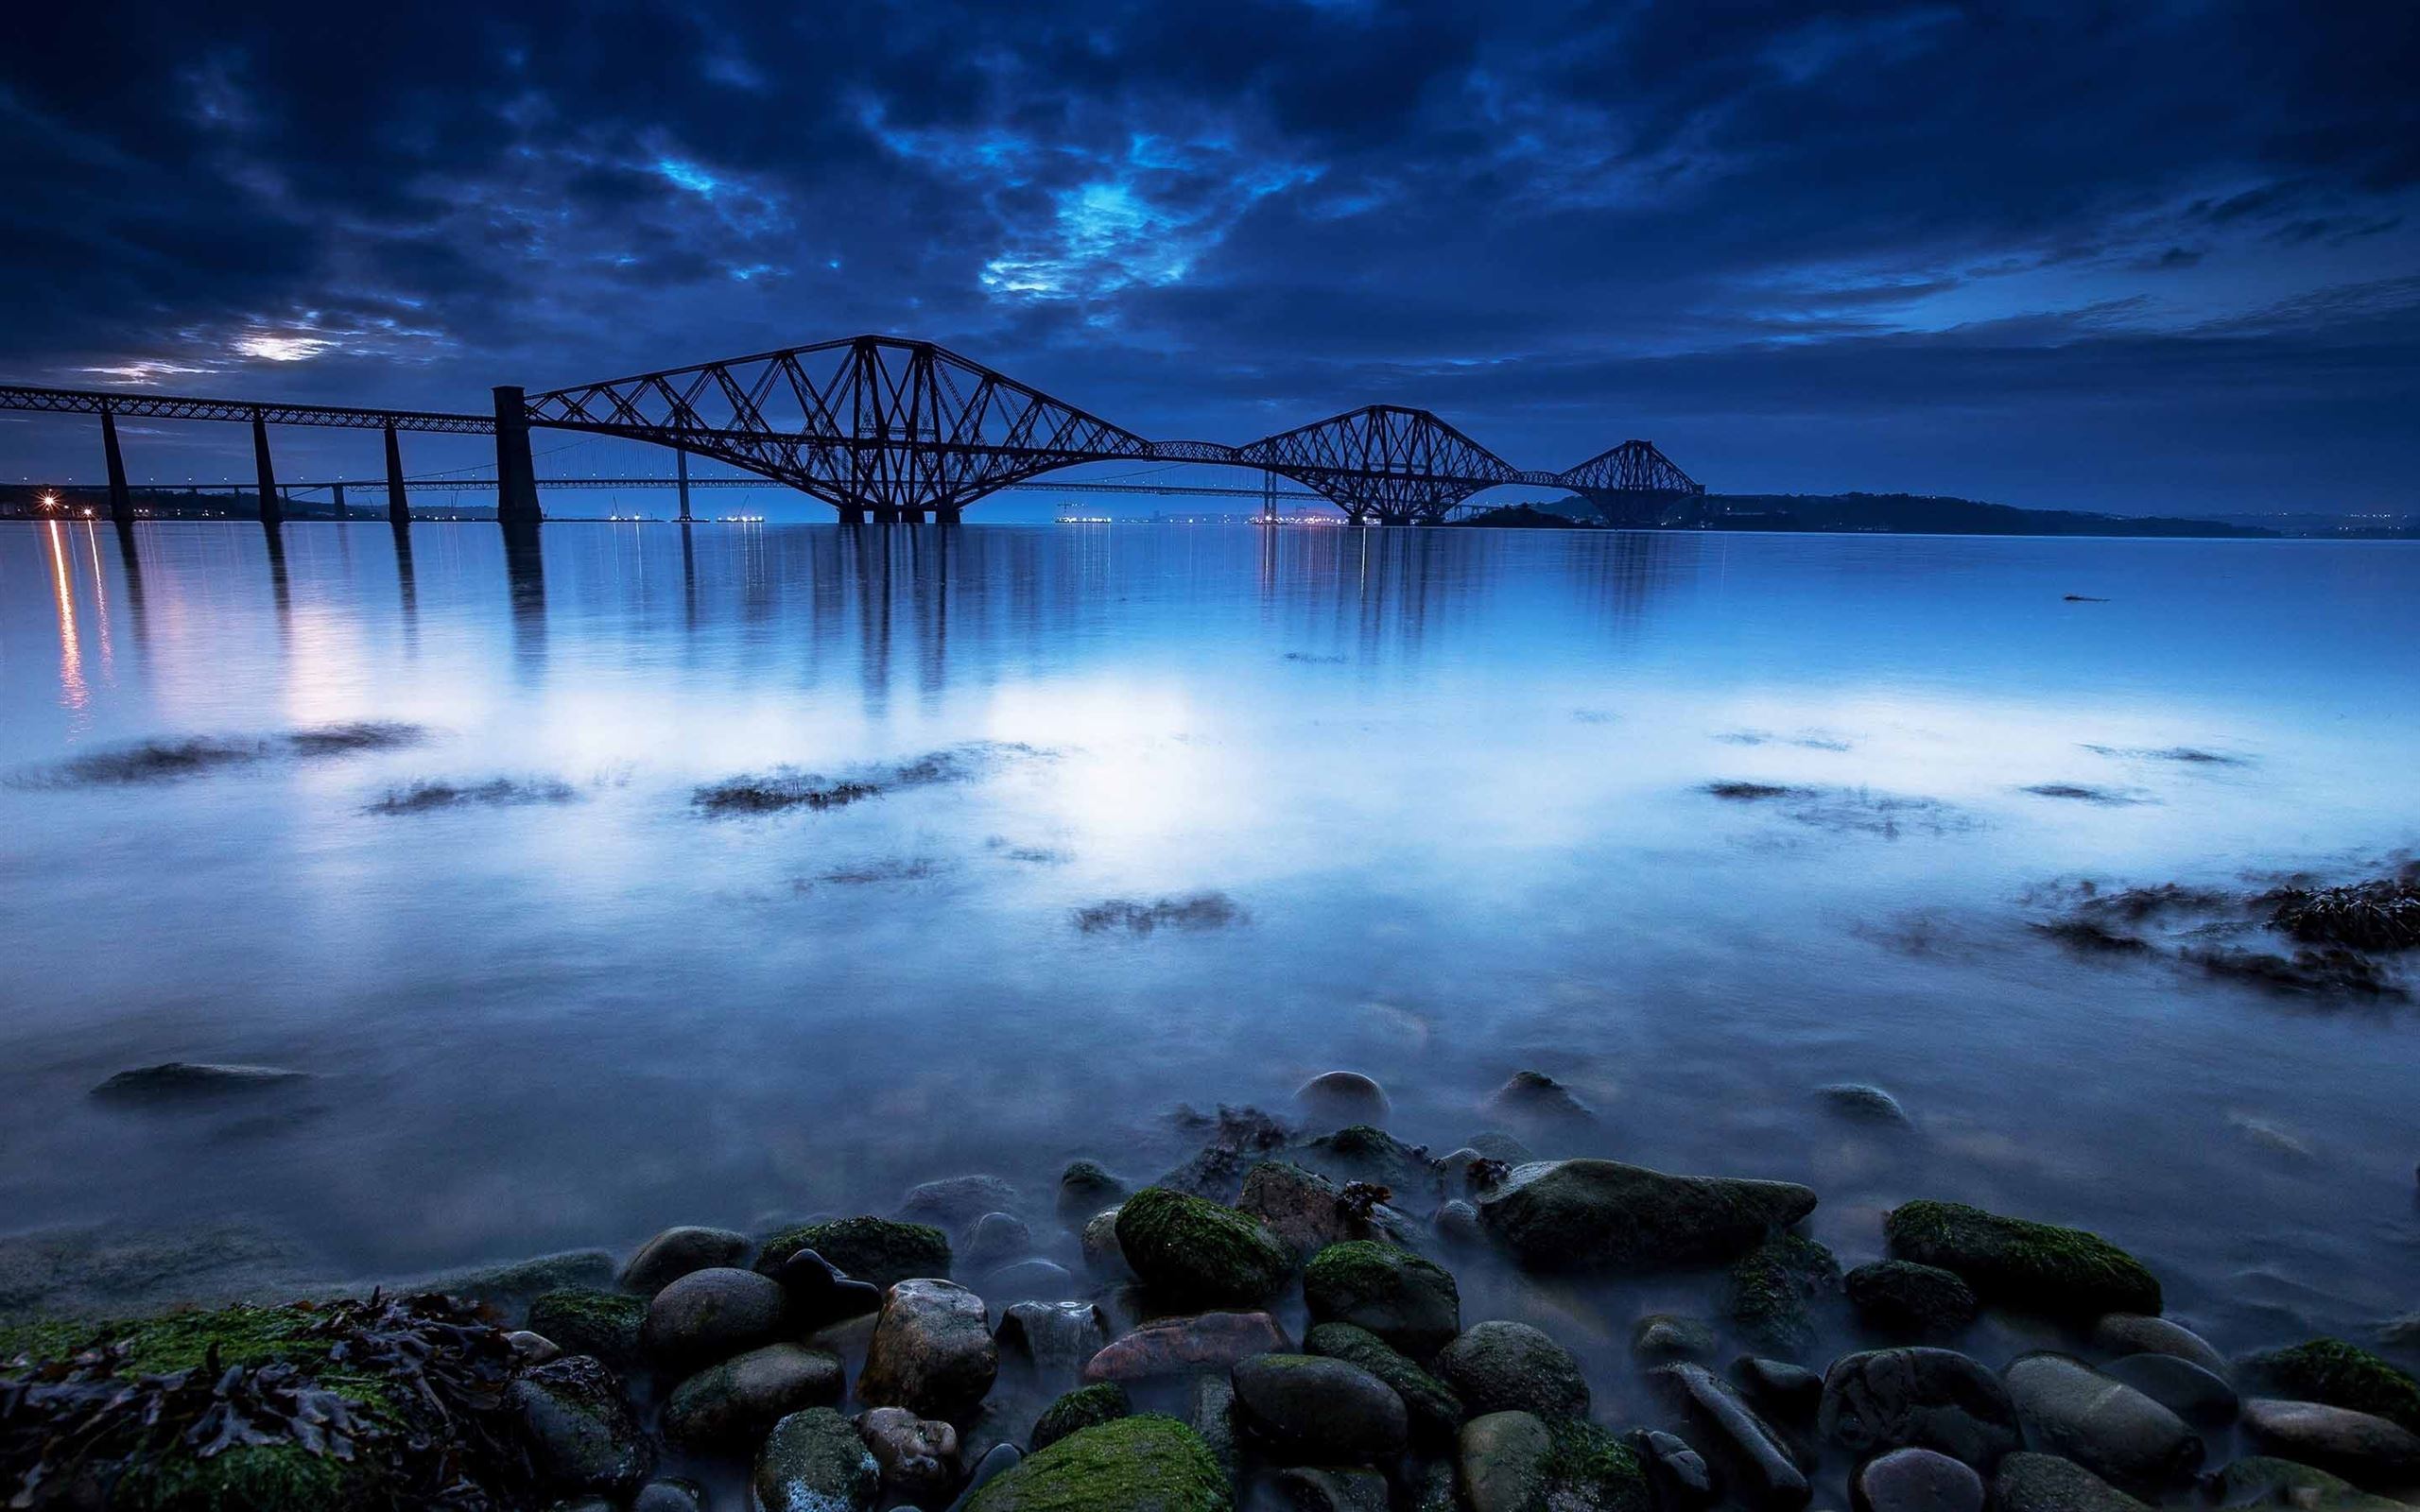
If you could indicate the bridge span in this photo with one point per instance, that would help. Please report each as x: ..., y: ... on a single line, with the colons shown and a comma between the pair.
x: 896, y: 430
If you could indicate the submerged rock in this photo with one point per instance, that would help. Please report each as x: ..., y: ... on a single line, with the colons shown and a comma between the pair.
x: 1539, y: 1101
x: 1863, y: 1104
x: 932, y: 1351
x: 1373, y: 1157
x: 1788, y: 1391
x: 1085, y: 1188
x: 1306, y: 1212
x: 819, y: 1293
x: 1195, y: 1253
x: 2180, y: 1385
x: 2104, y: 1425
x: 814, y: 1461
x: 1310, y: 1409
x: 2036, y: 1267
x: 995, y: 1240
x: 676, y: 1252
x: 1404, y: 1299
x: 1880, y: 1400
x: 1053, y: 1341
x: 1771, y: 1287
x: 1342, y: 1097
x: 187, y: 1080
x: 1661, y: 1338
x: 879, y: 1252
x: 1606, y: 1215
x: 954, y: 1203
x: 1500, y: 1367
x: 1133, y: 1465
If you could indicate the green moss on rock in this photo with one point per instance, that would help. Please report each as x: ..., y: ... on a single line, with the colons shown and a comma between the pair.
x: 1587, y: 1466
x: 1411, y: 1303
x: 1769, y: 1289
x: 257, y: 1478
x: 1195, y: 1253
x: 2040, y: 1268
x: 880, y: 1250
x: 1147, y: 1464
x: 2342, y: 1375
x: 1434, y: 1411
x: 1084, y: 1407
x: 586, y: 1320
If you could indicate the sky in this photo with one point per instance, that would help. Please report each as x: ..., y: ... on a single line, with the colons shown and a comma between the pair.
x: 2148, y: 258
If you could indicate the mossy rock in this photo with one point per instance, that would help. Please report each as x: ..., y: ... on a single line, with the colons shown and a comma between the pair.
x: 1769, y: 1289
x: 1411, y: 1303
x: 1588, y: 1466
x: 1363, y: 1152
x: 583, y: 1320
x: 34, y: 1340
x: 1195, y: 1254
x: 2038, y: 1267
x: 1147, y: 1464
x: 2341, y: 1374
x: 256, y: 1478
x: 882, y: 1251
x: 1084, y: 1407
x: 1435, y: 1412
x: 1515, y: 1461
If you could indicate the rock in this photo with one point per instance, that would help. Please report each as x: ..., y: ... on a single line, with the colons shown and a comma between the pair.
x: 813, y: 1461
x: 1467, y: 1172
x: 2045, y: 1483
x: 530, y: 1347
x: 1602, y: 1214
x: 1404, y: 1299
x: 2036, y: 1267
x: 1902, y: 1297
x: 675, y: 1253
x: 1338, y: 1097
x: 1497, y: 1145
x: 2258, y: 1480
x: 1916, y: 1480
x: 918, y: 1458
x: 2104, y: 1425
x: 1085, y: 1188
x: 1028, y: 1280
x: 1050, y: 1341
x: 1660, y: 1338
x: 875, y: 1250
x: 932, y: 1351
x: 194, y: 1080
x: 819, y: 1293
x: 711, y: 1314
x: 1457, y: 1225
x: 1333, y: 1490
x: 2367, y: 1449
x: 1680, y: 1474
x: 1784, y: 1390
x: 1882, y: 1400
x: 735, y: 1404
x: 580, y: 1432
x: 2180, y: 1385
x: 1210, y: 1412
x: 996, y: 1461
x: 580, y: 1320
x: 1197, y: 1254
x: 1177, y: 1346
x: 511, y: 1286
x: 1241, y: 1138
x: 849, y: 1338
x: 1769, y: 1287
x: 1102, y: 1255
x: 1309, y: 1409
x: 1376, y: 1158
x: 2140, y: 1333
x: 1146, y: 1464
x: 1306, y: 1212
x: 2339, y: 1375
x: 2401, y: 1331
x: 1537, y: 1100
x: 1434, y: 1411
x: 997, y: 1239
x: 953, y: 1204
x: 1861, y: 1104
x: 1500, y: 1367
x: 1518, y: 1462
x: 672, y: 1494
x: 1429, y: 1486
x: 1759, y: 1467
x: 1105, y: 1401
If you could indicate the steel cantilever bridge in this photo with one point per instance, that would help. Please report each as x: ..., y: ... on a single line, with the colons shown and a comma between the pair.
x: 891, y: 428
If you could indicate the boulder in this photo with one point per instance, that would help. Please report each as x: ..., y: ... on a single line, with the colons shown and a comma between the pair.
x: 1538, y: 1102
x: 1180, y: 1346
x: 1881, y: 1399
x: 2045, y: 1483
x: 2106, y: 1426
x: 1194, y: 1253
x: 875, y: 1250
x: 1086, y: 1187
x: 1860, y: 1103
x: 819, y: 1292
x: 2178, y: 1384
x: 814, y: 1461
x: 1916, y: 1480
x: 917, y: 1457
x: 1373, y: 1157
x: 2340, y: 1375
x: 932, y: 1351
x: 1434, y: 1411
x: 531, y: 1347
x: 1682, y: 1478
x: 734, y: 1404
x: 583, y: 1320
x: 711, y: 1314
x: 1051, y: 1341
x: 1404, y: 1299
x: 1080, y: 1409
x: 996, y: 1461
x: 1324, y: 1490
x: 2364, y: 1449
x: 578, y: 1427
x: 1606, y: 1215
x: 1457, y: 1226
x: 671, y: 1494
x: 1338, y: 1097
x: 1519, y: 1462
x: 1102, y: 1256
x: 1142, y: 1464
x: 1904, y: 1297
x: 1790, y: 1391
x: 1306, y: 1212
x: 1661, y: 1338
x: 995, y: 1240
x: 953, y: 1204
x: 2141, y: 1334
x: 1500, y: 1367
x: 1210, y: 1412
x: 1759, y: 1467
x: 1309, y: 1409
x: 1769, y: 1289
x: 675, y: 1253
x: 2038, y: 1267
x: 2258, y: 1480
x: 174, y: 1081
x: 1028, y: 1280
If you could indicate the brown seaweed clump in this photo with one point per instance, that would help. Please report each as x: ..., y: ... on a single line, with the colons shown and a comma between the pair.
x: 2383, y: 915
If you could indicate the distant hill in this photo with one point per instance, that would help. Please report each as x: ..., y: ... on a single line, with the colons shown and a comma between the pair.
x: 1871, y: 513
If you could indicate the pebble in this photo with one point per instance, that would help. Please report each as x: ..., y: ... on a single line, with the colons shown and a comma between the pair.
x: 676, y: 1252
x: 1176, y: 1346
x: 954, y: 1203
x: 734, y: 1404
x: 1902, y: 1297
x: 1916, y: 1479
x: 2180, y: 1385
x: 711, y: 1314
x: 672, y: 1494
x: 1085, y: 1188
x: 2369, y: 1450
x: 2102, y: 1424
x: 1308, y: 1409
x: 1681, y: 1474
x: 531, y: 1348
x: 1457, y: 1225
x: 2140, y: 1333
x: 578, y: 1427
x: 1760, y: 1469
x: 1880, y: 1400
x: 1411, y: 1303
x: 1103, y: 1256
x: 1028, y: 1280
x: 997, y: 1239
x: 819, y: 1293
x: 1500, y: 1367
x: 1660, y: 1337
x: 932, y: 1351
x: 1791, y: 1392
x: 2045, y: 1483
x: 1338, y: 1098
x: 918, y: 1457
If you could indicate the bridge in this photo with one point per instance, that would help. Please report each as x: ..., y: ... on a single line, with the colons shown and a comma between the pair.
x: 897, y: 431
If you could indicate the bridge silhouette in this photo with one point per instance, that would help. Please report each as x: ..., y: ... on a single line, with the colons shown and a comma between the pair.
x: 897, y: 430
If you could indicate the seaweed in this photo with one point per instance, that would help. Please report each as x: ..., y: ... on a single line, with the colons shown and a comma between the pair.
x: 427, y: 796
x: 2383, y: 915
x: 1195, y: 911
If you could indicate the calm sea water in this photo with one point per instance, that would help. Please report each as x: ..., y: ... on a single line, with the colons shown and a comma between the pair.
x: 1430, y: 805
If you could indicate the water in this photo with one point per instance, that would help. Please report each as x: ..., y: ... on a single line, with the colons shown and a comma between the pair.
x: 1426, y: 804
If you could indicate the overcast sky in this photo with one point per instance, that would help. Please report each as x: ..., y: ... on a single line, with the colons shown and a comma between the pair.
x: 2150, y: 258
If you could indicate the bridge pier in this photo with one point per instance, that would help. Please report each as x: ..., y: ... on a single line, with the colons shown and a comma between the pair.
x: 680, y: 454
x: 272, y: 509
x: 399, y: 509
x: 946, y: 514
x: 885, y: 515
x: 851, y: 515
x: 121, y: 501
x: 516, y: 475
x: 910, y: 515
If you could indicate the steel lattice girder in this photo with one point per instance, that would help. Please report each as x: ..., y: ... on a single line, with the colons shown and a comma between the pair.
x: 1632, y: 467
x: 166, y: 406
x: 1384, y: 459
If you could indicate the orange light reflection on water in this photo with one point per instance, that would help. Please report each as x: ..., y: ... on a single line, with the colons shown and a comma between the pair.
x: 70, y: 649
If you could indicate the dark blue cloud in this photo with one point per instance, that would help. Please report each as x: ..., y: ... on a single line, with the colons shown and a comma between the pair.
x: 2153, y: 257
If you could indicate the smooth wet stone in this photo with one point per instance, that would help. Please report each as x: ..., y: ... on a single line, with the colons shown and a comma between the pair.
x: 878, y: 1251
x: 1177, y: 1346
x: 1308, y: 1409
x: 1499, y: 1145
x: 711, y: 1314
x: 1336, y: 1098
x: 932, y: 1351
x: 954, y: 1203
x: 1759, y: 1467
x: 1501, y: 1367
x: 1916, y: 1480
x: 814, y: 1461
x: 1306, y: 1212
x: 675, y: 1253
x: 1195, y: 1253
x: 2102, y: 1424
x: 1860, y: 1103
x: 1103, y: 1401
x: 1503, y: 1458
x: 1786, y: 1391
x: 2045, y: 1483
x: 1902, y: 1297
x: 1103, y: 1256
x: 2180, y: 1385
x: 817, y: 1290
x: 586, y: 1320
x: 1028, y: 1280
x: 1606, y: 1215
x: 1467, y: 1172
x: 672, y: 1494
x: 1087, y: 1187
x: 1050, y: 1341
x: 578, y: 1427
x: 996, y: 1461
x: 1457, y: 1226
x: 530, y: 1347
x: 1435, y: 1412
x: 2037, y: 1266
x: 996, y: 1239
x: 1881, y: 1399
x: 2340, y: 1375
x: 1327, y: 1490
x: 1146, y: 1463
x: 734, y: 1404
x: 1538, y: 1101
x: 1772, y: 1290
x: 1410, y: 1302
x: 1682, y: 1477
x: 174, y: 1081
x: 1660, y: 1338
x: 2262, y: 1479
x: 2366, y: 1450
x: 1519, y: 1462
x: 918, y: 1457
x: 2140, y: 1333
x: 1210, y: 1412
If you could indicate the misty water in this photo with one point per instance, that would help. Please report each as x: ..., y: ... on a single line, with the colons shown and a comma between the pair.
x: 1167, y: 817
